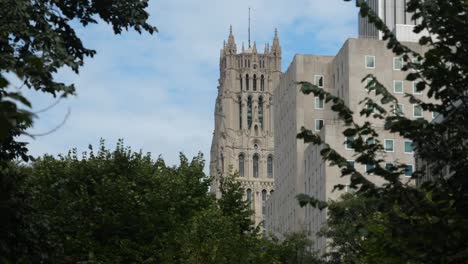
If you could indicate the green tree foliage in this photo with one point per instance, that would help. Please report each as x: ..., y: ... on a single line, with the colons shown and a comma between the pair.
x: 121, y: 206
x: 37, y: 38
x: 410, y: 225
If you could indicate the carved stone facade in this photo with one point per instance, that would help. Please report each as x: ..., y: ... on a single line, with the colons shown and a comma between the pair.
x: 243, y: 134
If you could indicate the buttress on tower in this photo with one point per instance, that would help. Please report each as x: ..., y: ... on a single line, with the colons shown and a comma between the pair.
x: 243, y: 135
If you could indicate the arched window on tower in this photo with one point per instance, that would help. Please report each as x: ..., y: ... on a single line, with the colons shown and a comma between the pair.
x: 247, y: 82
x: 262, y: 83
x: 241, y: 165
x: 264, y: 198
x: 240, y: 112
x: 260, y: 111
x: 270, y: 166
x: 255, y: 165
x: 249, y: 112
x: 240, y: 78
x: 249, y: 195
x: 255, y: 82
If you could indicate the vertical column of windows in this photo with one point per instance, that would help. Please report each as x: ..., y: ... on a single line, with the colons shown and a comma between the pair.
x: 249, y: 112
x: 260, y: 111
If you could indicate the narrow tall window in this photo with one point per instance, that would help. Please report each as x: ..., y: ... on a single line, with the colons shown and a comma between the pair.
x: 255, y: 82
x: 241, y: 165
x: 260, y: 111
x: 249, y: 112
x: 249, y: 195
x: 262, y: 83
x: 270, y: 166
x: 247, y: 82
x: 255, y: 165
x: 240, y: 112
x: 264, y: 197
x: 240, y: 78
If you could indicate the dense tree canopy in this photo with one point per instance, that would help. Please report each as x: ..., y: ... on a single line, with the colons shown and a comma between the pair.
x: 401, y: 223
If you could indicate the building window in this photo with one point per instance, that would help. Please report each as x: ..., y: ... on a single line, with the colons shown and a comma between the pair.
x: 318, y: 80
x: 318, y: 124
x: 400, y: 110
x: 262, y: 83
x: 370, y: 141
x: 351, y: 163
x: 434, y: 114
x: 409, y: 147
x: 247, y: 85
x: 249, y: 195
x: 370, y: 167
x: 240, y: 78
x: 249, y: 112
x: 398, y: 86
x: 270, y: 166
x: 397, y: 63
x: 415, y: 88
x: 260, y: 111
x: 349, y: 143
x: 417, y: 111
x: 241, y: 165
x: 319, y: 103
x: 264, y: 198
x: 240, y: 112
x: 389, y: 145
x: 409, y: 170
x: 255, y: 165
x: 255, y: 82
x: 370, y: 62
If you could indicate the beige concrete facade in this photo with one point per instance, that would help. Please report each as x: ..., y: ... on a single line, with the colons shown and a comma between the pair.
x: 243, y: 134
x: 299, y: 167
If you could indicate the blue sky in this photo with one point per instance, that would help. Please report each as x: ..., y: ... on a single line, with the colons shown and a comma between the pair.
x: 158, y: 92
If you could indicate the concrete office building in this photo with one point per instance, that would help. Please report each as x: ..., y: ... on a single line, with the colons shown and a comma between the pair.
x: 299, y: 167
x: 243, y: 134
x: 394, y: 14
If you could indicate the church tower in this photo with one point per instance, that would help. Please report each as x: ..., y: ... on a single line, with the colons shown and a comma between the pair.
x: 243, y: 135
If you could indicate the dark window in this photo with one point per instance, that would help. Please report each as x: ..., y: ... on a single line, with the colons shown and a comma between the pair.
x: 240, y: 78
x: 260, y: 111
x: 249, y: 112
x: 240, y: 112
x: 249, y: 195
x: 241, y: 165
x: 270, y: 166
x: 247, y: 87
x: 255, y: 166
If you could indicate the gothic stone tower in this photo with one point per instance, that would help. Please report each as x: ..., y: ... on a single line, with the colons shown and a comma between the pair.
x: 243, y: 135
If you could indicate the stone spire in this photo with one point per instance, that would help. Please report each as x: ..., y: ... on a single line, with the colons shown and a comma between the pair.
x: 231, y: 44
x: 276, y: 48
x: 254, y: 50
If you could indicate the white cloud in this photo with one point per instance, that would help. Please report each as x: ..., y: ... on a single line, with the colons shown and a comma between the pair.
x: 158, y: 91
